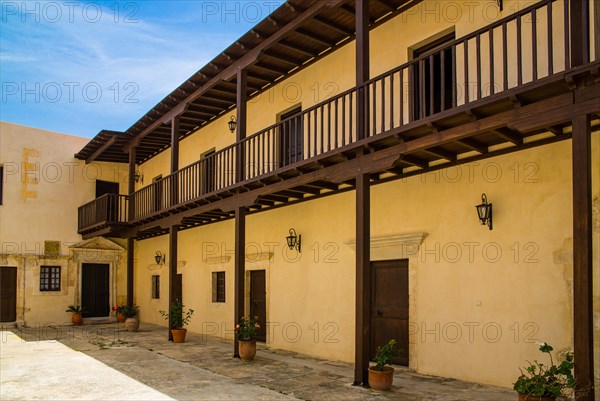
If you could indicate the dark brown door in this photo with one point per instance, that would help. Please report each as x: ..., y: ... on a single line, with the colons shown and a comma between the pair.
x: 258, y: 301
x: 95, y: 290
x: 108, y: 209
x: 431, y: 93
x: 157, y: 193
x: 291, y: 137
x: 389, y: 306
x: 8, y: 294
x: 208, y: 172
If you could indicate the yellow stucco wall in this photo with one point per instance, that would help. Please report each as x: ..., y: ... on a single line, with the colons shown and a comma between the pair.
x: 479, y: 298
x: 43, y: 187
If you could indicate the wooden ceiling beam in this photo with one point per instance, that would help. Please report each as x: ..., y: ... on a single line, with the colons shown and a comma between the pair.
x: 296, y: 48
x: 442, y: 154
x: 385, y: 4
x: 472, y: 144
x: 413, y: 161
x: 101, y: 149
x: 334, y: 26
x: 317, y: 38
x: 307, y: 189
x: 269, y: 68
x: 509, y: 135
x: 281, y: 58
x: 324, y: 185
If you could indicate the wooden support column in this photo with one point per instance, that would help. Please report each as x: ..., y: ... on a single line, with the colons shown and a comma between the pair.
x: 175, y: 144
x: 363, y: 279
x: 241, y: 119
x: 130, y: 217
x: 580, y: 32
x: 363, y: 207
x: 240, y: 213
x: 174, y: 284
x: 362, y: 65
x: 582, y: 259
x: 174, y: 184
x: 240, y: 270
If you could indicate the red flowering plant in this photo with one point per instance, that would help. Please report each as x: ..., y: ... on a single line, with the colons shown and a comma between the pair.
x: 118, y: 308
x: 247, y: 327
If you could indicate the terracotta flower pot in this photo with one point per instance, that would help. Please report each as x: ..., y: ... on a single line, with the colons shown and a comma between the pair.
x: 121, y: 317
x: 77, y: 319
x: 525, y: 397
x: 178, y: 335
x: 132, y: 324
x: 381, y: 380
x: 247, y: 349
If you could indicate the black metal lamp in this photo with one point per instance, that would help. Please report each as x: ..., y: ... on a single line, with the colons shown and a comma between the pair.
x: 232, y: 124
x: 294, y: 241
x: 159, y: 258
x: 500, y: 5
x: 138, y: 176
x: 484, y: 212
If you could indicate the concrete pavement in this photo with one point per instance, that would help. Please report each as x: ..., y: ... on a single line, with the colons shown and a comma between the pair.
x: 105, y: 362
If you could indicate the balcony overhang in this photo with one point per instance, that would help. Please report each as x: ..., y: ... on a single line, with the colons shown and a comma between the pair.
x: 295, y: 35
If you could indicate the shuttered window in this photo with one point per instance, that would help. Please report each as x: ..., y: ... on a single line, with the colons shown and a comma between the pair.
x: 218, y: 286
x: 155, y: 287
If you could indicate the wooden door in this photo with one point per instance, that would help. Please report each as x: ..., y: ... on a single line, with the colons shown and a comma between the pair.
x: 389, y: 306
x: 108, y: 210
x: 8, y: 294
x: 157, y: 194
x: 95, y: 290
x: 258, y: 301
x: 208, y: 172
x: 291, y: 138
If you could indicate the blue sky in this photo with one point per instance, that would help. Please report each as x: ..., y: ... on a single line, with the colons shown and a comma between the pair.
x: 78, y: 67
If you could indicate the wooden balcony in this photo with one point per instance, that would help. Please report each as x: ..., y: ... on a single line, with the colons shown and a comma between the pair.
x: 505, y: 87
x: 106, y: 215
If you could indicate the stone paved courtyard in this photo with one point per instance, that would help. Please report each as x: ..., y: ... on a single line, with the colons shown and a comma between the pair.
x: 116, y: 365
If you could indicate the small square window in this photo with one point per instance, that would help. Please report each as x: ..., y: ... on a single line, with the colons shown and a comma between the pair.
x: 218, y: 286
x: 50, y: 278
x: 155, y: 287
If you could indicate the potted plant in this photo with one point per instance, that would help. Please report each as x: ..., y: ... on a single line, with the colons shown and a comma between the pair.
x: 380, y: 375
x: 540, y: 382
x: 119, y: 313
x: 130, y: 312
x: 76, y: 314
x: 246, y: 330
x: 178, y: 320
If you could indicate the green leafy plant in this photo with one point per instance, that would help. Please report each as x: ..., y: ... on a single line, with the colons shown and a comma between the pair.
x: 385, y: 354
x: 541, y: 380
x: 129, y: 310
x: 247, y: 327
x: 75, y: 309
x: 178, y: 318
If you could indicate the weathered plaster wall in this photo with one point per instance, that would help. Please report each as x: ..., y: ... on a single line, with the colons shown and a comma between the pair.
x: 43, y: 187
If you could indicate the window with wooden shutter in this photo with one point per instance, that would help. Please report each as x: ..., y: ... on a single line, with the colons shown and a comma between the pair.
x: 218, y: 286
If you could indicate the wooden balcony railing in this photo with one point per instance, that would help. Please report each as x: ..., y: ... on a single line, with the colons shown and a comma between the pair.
x: 109, y: 209
x: 522, y: 48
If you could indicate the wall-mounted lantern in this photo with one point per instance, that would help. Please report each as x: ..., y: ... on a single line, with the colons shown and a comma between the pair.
x: 138, y: 177
x: 294, y: 241
x: 159, y: 258
x: 500, y: 5
x: 484, y: 212
x: 232, y: 124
